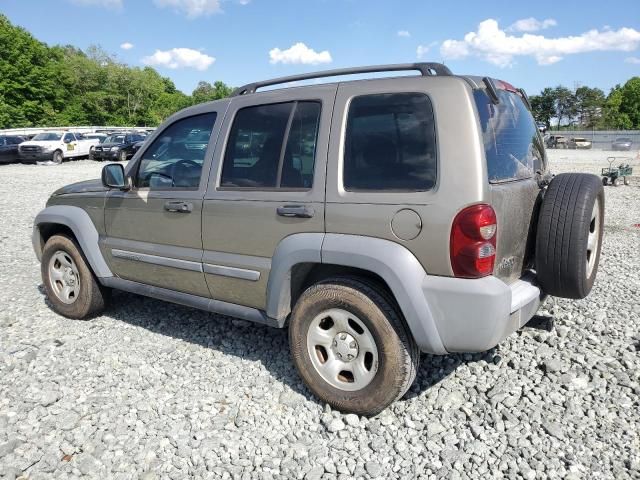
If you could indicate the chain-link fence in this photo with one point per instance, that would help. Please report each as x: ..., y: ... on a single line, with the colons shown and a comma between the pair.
x: 602, y: 139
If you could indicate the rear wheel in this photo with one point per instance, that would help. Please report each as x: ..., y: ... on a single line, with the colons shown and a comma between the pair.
x: 605, y: 181
x: 57, y: 157
x: 616, y: 182
x: 91, y: 153
x: 569, y: 236
x: 626, y: 181
x: 71, y: 287
x: 351, y: 346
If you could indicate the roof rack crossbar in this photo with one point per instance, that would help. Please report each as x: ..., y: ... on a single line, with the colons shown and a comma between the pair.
x: 425, y: 69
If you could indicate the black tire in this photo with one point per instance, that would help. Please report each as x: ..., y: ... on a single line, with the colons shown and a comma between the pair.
x: 91, y: 152
x: 616, y: 182
x: 626, y: 181
x: 92, y: 297
x: 605, y: 181
x: 564, y: 226
x: 57, y: 158
x: 122, y: 156
x: 398, y: 354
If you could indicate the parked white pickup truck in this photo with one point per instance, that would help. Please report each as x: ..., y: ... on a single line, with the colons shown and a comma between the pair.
x: 56, y: 146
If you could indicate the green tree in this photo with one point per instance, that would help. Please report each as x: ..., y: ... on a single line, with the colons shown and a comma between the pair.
x: 630, y: 102
x: 63, y: 85
x: 543, y: 106
x: 565, y: 104
x: 205, y: 92
x: 613, y: 118
x: 589, y: 103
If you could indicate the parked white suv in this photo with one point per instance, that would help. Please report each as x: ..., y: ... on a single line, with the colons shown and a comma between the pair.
x: 56, y: 146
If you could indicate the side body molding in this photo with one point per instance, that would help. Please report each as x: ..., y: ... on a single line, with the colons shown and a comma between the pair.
x: 400, y: 269
x: 82, y: 227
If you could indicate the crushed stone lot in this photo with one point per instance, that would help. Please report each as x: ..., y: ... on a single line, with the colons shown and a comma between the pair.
x: 154, y: 390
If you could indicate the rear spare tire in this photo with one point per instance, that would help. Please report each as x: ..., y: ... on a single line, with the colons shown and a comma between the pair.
x: 569, y: 236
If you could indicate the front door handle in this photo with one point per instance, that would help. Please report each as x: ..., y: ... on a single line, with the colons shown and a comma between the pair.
x: 180, y: 207
x: 299, y: 211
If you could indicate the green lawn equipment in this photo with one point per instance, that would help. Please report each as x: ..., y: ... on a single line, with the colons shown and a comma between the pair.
x: 617, y: 175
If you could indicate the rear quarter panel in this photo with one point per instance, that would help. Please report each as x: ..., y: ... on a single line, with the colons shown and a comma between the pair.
x: 461, y: 172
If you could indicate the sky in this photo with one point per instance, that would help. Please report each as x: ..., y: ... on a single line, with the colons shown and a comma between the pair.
x: 532, y: 44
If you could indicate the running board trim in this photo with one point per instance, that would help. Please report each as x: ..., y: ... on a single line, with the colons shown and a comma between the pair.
x: 195, y: 301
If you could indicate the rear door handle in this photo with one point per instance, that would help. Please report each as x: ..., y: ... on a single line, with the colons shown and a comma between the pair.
x: 299, y: 211
x: 180, y: 207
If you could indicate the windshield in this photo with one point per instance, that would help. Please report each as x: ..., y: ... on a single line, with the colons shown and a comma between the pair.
x: 48, y: 136
x: 114, y: 139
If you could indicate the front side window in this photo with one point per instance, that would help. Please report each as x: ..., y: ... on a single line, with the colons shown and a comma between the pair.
x: 173, y: 160
x: 390, y: 143
x: 272, y: 146
x: 512, y: 143
x: 68, y: 138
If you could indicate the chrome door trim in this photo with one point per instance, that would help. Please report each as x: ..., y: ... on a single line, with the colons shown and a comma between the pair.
x: 233, y: 272
x: 157, y: 260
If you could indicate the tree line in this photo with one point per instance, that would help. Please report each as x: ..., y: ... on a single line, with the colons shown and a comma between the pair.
x: 62, y: 85
x: 589, y: 108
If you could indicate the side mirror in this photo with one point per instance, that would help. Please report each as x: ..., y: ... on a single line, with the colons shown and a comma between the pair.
x: 113, y: 176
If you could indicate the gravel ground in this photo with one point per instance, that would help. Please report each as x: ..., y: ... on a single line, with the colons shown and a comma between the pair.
x: 154, y: 390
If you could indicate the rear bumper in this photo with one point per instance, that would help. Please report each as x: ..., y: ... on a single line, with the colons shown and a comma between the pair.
x: 475, y: 315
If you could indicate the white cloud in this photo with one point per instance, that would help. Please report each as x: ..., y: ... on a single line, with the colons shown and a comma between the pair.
x: 111, y: 4
x: 244, y: 2
x: 422, y: 50
x: 126, y: 46
x: 404, y: 33
x: 179, y: 58
x: 494, y: 45
x: 192, y: 8
x: 299, y: 53
x: 634, y: 60
x: 532, y: 25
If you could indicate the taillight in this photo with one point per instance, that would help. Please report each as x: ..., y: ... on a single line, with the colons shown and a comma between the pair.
x: 473, y: 242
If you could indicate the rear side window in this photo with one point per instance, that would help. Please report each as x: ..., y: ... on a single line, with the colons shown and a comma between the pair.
x: 390, y: 143
x: 272, y: 146
x: 512, y: 144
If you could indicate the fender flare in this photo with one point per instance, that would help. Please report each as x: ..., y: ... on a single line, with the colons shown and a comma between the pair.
x: 392, y: 262
x: 79, y: 222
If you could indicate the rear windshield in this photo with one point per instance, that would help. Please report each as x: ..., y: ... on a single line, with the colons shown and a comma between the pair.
x: 511, y: 139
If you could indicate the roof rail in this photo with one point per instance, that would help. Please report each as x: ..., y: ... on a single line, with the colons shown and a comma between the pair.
x: 425, y: 69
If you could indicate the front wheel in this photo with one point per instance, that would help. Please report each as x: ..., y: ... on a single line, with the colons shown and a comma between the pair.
x: 605, y: 181
x: 616, y: 182
x: 122, y: 156
x: 351, y: 346
x: 71, y: 287
x: 91, y: 154
x: 57, y: 157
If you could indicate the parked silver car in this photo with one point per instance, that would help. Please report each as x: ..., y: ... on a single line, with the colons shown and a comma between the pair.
x: 374, y: 219
x: 622, y: 144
